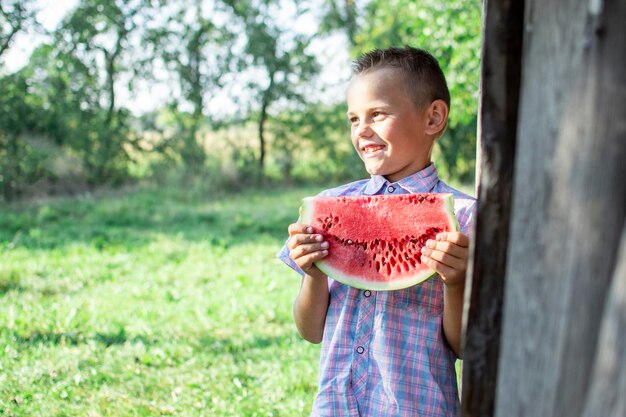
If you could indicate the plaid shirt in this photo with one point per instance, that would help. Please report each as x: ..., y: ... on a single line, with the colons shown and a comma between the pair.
x: 384, y: 353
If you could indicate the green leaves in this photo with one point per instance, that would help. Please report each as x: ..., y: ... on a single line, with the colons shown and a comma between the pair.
x: 247, y: 66
x: 451, y: 31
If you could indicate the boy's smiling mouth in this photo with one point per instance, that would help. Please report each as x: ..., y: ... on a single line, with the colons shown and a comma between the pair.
x: 371, y: 148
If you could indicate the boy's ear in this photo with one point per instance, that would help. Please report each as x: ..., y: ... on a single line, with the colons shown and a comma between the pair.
x: 437, y: 118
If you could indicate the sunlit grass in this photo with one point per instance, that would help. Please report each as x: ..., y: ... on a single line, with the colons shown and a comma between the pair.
x: 151, y: 302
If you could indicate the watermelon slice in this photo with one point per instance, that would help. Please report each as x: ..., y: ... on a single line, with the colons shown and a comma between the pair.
x: 375, y: 242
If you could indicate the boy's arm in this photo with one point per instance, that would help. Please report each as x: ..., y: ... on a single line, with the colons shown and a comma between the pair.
x: 311, y: 304
x: 309, y: 308
x: 448, y: 255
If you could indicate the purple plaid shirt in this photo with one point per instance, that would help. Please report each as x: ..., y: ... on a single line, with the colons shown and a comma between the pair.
x: 384, y: 353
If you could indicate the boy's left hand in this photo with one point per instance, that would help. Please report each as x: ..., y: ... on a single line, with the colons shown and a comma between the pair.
x: 448, y: 255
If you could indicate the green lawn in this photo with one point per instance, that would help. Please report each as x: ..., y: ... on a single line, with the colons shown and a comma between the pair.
x: 151, y: 302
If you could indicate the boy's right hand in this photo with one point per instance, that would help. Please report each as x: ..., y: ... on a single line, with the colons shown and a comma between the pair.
x: 306, y: 248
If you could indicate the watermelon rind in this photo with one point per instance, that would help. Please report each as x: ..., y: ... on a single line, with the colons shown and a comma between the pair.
x: 306, y: 217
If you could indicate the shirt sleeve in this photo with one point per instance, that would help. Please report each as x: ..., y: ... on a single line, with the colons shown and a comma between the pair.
x: 465, y: 214
x: 283, y: 255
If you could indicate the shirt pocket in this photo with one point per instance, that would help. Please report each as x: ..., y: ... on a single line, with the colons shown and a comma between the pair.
x: 425, y: 298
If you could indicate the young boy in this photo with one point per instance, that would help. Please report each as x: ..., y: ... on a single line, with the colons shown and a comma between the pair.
x: 388, y: 353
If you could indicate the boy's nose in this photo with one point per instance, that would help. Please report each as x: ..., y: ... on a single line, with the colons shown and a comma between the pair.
x: 363, y: 130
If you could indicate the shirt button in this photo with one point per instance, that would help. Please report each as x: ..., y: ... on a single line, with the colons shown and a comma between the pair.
x: 367, y: 293
x: 391, y: 189
x: 360, y: 350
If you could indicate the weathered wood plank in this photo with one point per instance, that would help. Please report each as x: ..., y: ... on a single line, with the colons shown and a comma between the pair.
x: 569, y: 205
x: 500, y: 83
x: 608, y: 383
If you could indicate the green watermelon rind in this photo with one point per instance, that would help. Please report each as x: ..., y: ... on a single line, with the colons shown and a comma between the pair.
x: 306, y: 218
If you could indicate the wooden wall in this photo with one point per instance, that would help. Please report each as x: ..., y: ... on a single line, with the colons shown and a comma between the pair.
x: 563, y: 339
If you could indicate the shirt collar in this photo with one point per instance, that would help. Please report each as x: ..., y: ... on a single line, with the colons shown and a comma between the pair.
x: 423, y: 181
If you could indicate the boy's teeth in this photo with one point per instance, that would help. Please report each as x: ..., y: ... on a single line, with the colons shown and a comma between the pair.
x: 373, y: 148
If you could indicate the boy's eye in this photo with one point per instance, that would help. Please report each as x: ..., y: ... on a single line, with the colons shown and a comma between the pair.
x: 353, y: 120
x: 376, y: 114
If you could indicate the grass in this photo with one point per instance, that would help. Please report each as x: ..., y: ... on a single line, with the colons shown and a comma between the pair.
x: 151, y: 302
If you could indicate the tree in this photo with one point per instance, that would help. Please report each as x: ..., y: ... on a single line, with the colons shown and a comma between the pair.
x: 340, y: 15
x: 198, y: 52
x: 18, y: 161
x: 97, y: 34
x: 15, y: 17
x: 279, y: 54
x: 450, y: 31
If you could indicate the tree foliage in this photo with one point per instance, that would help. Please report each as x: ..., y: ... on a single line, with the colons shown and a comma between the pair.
x: 279, y: 54
x: 197, y: 52
x: 249, y: 65
x: 15, y: 16
x: 450, y: 30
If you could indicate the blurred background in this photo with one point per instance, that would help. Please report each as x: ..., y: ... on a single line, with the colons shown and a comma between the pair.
x: 219, y: 93
x: 152, y: 155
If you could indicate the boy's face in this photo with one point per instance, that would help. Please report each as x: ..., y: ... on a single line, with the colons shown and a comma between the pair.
x: 388, y: 129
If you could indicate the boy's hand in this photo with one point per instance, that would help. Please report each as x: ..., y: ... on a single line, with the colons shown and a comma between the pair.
x: 448, y: 255
x: 306, y: 247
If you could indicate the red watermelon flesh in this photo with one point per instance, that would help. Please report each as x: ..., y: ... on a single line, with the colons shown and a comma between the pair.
x: 375, y: 242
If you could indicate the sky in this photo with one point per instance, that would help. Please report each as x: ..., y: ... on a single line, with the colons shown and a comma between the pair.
x: 50, y: 14
x: 146, y: 96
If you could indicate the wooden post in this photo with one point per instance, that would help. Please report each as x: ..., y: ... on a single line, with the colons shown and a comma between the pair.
x: 608, y: 383
x: 569, y: 207
x: 500, y: 83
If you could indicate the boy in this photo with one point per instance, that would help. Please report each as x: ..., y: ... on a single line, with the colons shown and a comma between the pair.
x: 388, y: 353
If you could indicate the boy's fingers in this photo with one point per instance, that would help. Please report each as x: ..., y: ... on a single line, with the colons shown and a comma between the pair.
x: 438, y: 267
x: 306, y: 261
x: 447, y: 247
x: 445, y: 259
x: 305, y: 249
x: 301, y: 239
x: 457, y: 238
x: 296, y: 228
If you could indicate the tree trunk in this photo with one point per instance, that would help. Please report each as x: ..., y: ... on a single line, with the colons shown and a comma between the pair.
x: 500, y: 82
x: 265, y: 102
x: 194, y: 154
x: 569, y: 210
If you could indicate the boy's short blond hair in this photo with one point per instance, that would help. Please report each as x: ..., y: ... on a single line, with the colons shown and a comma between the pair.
x: 423, y: 75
